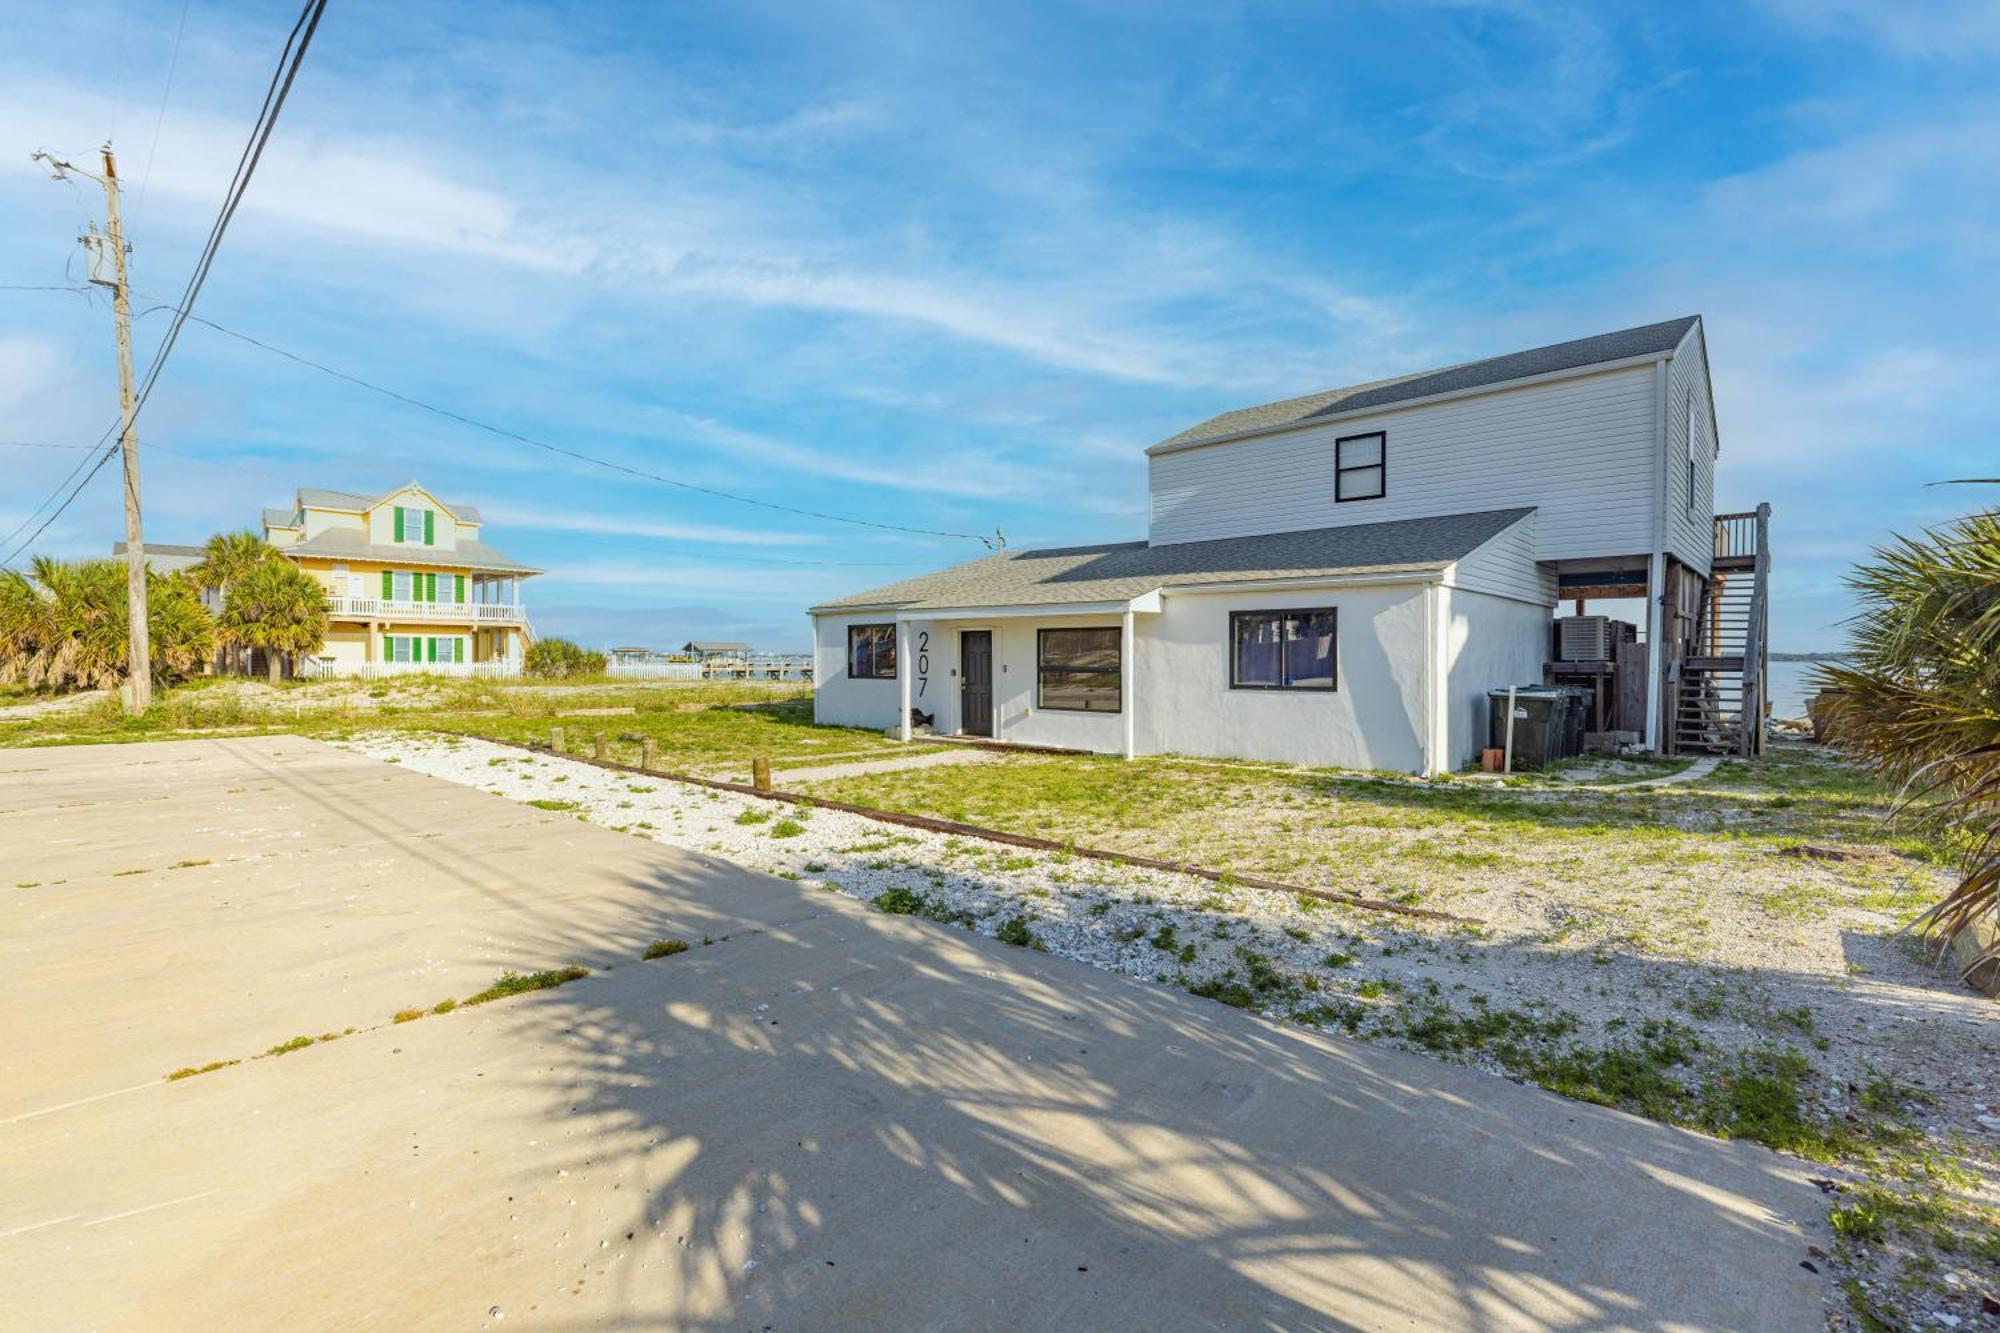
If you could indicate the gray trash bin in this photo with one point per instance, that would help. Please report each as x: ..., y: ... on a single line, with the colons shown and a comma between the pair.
x: 1541, y: 721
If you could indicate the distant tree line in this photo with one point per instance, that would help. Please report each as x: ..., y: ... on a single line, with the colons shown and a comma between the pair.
x: 63, y: 622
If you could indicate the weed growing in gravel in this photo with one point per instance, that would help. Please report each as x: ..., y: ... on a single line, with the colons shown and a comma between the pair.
x: 787, y: 828
x: 519, y: 983
x: 1014, y: 930
x: 754, y: 817
x: 546, y: 804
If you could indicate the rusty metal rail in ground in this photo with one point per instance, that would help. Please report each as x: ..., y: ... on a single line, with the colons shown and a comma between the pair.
x: 601, y: 759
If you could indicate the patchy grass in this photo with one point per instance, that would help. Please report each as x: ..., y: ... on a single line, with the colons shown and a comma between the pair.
x: 521, y: 983
x: 665, y: 948
x: 408, y: 1015
x: 787, y: 828
x: 560, y: 807
x: 295, y: 1044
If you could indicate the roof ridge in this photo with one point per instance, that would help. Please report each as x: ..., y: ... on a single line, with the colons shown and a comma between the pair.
x: 1568, y: 354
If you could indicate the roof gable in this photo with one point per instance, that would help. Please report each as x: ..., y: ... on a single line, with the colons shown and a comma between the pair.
x: 315, y: 497
x: 1646, y: 340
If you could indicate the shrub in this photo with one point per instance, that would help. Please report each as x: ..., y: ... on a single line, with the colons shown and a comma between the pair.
x: 554, y: 659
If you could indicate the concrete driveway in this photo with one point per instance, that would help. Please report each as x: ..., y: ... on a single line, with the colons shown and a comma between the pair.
x: 829, y: 1119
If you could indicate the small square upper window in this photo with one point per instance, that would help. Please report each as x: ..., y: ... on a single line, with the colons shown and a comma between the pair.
x: 1361, y: 467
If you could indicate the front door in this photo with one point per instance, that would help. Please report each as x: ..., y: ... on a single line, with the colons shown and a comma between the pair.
x: 975, y: 675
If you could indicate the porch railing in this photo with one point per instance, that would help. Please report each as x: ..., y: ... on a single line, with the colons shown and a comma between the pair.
x: 1736, y: 535
x: 377, y: 608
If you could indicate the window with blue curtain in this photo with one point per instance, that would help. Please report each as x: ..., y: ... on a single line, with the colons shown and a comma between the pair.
x: 1282, y: 650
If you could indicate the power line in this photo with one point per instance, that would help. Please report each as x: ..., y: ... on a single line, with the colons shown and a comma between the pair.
x: 159, y: 121
x: 275, y: 93
x: 289, y: 60
x: 579, y: 456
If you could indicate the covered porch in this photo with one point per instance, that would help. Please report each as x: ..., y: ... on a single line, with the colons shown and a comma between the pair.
x: 1057, y: 675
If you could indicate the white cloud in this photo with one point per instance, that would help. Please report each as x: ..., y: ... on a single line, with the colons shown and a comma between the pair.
x: 1950, y: 30
x: 505, y: 513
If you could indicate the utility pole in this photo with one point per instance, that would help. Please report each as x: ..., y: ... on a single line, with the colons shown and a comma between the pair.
x: 139, y: 682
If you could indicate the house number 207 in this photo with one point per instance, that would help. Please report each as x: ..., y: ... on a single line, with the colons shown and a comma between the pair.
x: 923, y: 660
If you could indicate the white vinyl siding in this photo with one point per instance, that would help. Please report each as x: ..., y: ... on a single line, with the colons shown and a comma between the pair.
x: 1581, y: 450
x: 1505, y: 566
x: 1690, y: 526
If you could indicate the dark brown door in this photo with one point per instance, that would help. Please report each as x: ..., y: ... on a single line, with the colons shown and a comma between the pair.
x: 975, y: 677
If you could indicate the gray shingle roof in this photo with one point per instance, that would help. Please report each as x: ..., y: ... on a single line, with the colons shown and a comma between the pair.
x: 279, y: 518
x: 1123, y: 570
x: 325, y: 499
x: 347, y: 544
x: 1648, y: 339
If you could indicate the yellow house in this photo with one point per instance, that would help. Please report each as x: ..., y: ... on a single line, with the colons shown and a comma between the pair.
x: 409, y: 583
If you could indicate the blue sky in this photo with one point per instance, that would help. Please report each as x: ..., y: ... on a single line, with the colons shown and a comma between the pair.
x: 955, y: 266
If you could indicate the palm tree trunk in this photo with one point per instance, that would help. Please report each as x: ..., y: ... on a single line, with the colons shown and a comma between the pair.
x: 271, y: 655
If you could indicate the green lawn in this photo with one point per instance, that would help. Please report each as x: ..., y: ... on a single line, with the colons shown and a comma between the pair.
x: 707, y: 728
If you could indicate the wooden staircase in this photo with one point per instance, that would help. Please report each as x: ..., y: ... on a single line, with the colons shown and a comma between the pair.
x: 1720, y: 688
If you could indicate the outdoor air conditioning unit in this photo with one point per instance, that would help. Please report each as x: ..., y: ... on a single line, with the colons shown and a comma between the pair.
x: 1584, y: 638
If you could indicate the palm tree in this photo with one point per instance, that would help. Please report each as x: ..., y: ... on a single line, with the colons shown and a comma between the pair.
x: 62, y: 625
x: 227, y: 557
x: 1921, y: 700
x: 278, y: 607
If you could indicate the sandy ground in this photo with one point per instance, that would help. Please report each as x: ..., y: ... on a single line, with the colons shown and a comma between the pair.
x: 1839, y: 989
x: 817, y: 1116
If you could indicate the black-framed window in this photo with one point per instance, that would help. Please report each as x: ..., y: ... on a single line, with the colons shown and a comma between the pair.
x: 1077, y: 670
x: 1282, y: 650
x: 1361, y: 467
x: 871, y: 652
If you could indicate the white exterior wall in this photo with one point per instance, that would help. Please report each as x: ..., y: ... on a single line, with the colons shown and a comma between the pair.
x: 1489, y: 643
x: 1690, y: 528
x: 1373, y: 718
x: 1582, y: 450
x: 837, y: 700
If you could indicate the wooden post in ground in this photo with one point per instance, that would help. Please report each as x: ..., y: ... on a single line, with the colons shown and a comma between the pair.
x: 760, y: 773
x: 597, y: 748
x: 649, y: 753
x: 555, y: 740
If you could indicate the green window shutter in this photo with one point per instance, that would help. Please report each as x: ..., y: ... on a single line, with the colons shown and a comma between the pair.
x: 458, y: 588
x: 399, y: 522
x: 388, y: 585
x: 429, y: 528
x: 430, y: 587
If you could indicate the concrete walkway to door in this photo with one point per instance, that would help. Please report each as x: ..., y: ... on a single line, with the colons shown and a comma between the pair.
x: 819, y: 1117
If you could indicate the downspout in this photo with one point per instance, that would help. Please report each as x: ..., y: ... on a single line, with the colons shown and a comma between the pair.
x: 813, y: 620
x: 1656, y: 575
x: 1431, y: 674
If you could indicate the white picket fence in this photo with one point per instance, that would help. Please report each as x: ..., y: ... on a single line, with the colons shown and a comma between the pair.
x: 328, y: 669
x: 656, y: 670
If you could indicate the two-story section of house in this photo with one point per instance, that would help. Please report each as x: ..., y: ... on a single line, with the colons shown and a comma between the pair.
x: 409, y: 581
x: 1341, y: 579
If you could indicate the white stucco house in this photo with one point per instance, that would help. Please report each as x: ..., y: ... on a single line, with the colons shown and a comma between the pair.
x: 1339, y: 579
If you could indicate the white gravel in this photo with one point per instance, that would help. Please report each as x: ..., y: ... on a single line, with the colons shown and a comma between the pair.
x: 1348, y: 962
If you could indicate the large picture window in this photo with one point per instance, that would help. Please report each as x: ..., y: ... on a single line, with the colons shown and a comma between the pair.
x: 871, y: 652
x: 1282, y: 650
x: 1077, y: 670
x: 1361, y: 467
